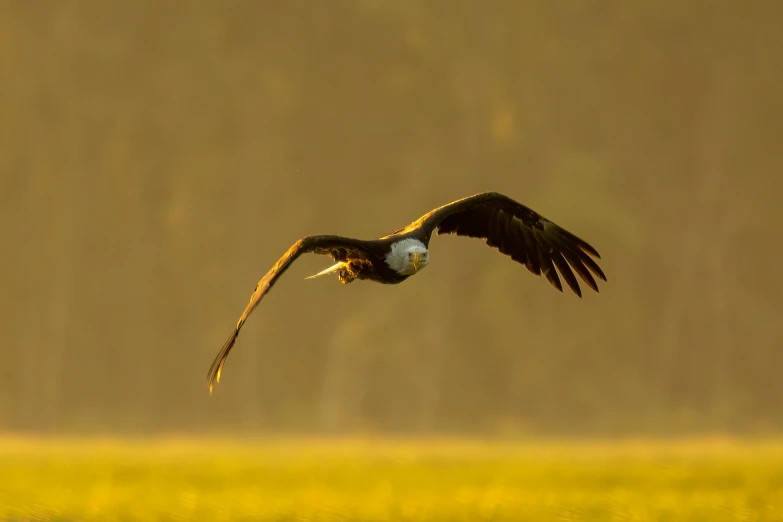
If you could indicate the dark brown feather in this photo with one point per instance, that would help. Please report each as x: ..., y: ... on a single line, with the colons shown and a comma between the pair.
x: 565, y: 271
x: 579, y: 267
x: 545, y: 261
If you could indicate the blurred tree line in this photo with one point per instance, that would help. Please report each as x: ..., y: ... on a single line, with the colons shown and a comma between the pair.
x: 157, y: 157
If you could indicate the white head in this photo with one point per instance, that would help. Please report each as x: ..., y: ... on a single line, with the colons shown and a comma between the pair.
x: 408, y: 256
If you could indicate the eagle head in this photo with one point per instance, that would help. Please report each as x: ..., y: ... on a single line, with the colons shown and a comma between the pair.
x: 408, y: 256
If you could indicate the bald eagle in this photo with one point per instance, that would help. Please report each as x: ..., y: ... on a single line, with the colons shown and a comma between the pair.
x: 514, y: 229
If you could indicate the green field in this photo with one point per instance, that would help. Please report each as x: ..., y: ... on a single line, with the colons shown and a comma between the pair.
x: 389, y: 481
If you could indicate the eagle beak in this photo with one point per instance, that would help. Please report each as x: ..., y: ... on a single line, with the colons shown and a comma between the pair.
x: 416, y: 261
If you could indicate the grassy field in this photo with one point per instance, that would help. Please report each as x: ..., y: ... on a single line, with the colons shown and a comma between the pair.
x: 389, y: 481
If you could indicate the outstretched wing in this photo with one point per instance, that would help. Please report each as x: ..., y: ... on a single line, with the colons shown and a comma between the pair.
x: 521, y: 233
x: 338, y: 247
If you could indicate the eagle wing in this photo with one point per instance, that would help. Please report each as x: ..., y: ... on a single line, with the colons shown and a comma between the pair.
x: 521, y: 233
x: 337, y: 247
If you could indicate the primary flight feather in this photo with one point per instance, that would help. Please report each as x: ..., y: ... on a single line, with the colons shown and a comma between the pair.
x: 514, y: 229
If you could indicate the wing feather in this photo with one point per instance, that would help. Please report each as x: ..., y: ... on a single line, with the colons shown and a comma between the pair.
x: 565, y: 271
x: 521, y: 233
x: 576, y: 263
x: 336, y: 246
x: 533, y: 259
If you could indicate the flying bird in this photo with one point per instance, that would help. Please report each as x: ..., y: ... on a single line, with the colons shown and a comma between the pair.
x: 514, y: 229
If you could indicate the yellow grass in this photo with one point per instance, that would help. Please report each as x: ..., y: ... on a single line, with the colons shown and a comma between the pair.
x: 362, y: 480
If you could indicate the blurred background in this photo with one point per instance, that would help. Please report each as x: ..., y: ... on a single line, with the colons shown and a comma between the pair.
x: 156, y: 158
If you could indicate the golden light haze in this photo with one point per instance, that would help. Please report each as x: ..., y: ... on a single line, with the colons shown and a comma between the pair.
x: 156, y: 158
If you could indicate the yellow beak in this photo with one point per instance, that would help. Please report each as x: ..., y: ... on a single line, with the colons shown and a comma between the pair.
x: 416, y: 261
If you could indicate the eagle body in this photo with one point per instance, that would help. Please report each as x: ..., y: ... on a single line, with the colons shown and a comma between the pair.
x: 515, y: 230
x: 365, y: 262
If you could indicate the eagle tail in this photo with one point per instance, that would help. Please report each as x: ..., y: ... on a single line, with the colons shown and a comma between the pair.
x: 332, y: 269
